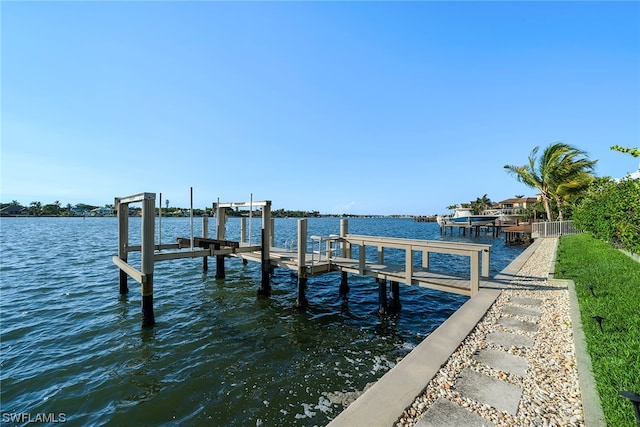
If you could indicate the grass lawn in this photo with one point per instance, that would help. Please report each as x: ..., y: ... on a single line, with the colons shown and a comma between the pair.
x: 608, y: 285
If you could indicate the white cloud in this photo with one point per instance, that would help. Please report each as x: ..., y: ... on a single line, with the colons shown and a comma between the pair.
x: 345, y: 208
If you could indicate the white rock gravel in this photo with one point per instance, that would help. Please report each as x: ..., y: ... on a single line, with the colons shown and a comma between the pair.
x: 551, y: 395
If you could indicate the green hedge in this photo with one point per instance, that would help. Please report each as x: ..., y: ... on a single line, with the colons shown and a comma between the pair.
x: 610, y: 211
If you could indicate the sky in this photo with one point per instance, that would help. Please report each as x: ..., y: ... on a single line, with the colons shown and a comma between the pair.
x: 337, y: 107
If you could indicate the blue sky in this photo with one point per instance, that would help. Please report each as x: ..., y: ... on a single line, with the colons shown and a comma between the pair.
x: 356, y: 107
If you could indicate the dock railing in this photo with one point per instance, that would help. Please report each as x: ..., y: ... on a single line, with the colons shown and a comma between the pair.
x: 479, y: 255
x: 553, y: 229
x: 325, y: 248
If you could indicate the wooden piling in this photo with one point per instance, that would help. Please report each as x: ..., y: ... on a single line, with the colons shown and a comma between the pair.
x: 148, y: 224
x: 394, y: 301
x: 221, y: 220
x: 383, y: 308
x: 266, y: 244
x: 301, y: 301
x: 265, y: 285
x: 243, y: 229
x: 205, y: 234
x: 123, y: 239
x: 344, y: 252
x: 382, y: 297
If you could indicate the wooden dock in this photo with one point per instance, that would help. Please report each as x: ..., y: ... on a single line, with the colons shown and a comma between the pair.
x: 494, y: 228
x: 517, y: 234
x: 313, y: 255
x: 331, y: 261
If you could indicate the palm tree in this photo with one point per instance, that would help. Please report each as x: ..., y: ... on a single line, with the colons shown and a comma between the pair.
x: 35, y: 208
x: 635, y: 152
x: 481, y: 204
x: 556, y: 173
x: 568, y: 191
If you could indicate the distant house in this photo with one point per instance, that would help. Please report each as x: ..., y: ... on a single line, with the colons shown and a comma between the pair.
x: 80, y: 211
x: 516, y: 205
x: 14, y: 210
x: 102, y: 211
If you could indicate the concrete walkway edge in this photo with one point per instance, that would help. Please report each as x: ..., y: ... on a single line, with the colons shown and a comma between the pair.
x: 384, y: 402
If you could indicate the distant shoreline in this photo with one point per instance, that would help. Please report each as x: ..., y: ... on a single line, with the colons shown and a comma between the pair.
x: 418, y: 218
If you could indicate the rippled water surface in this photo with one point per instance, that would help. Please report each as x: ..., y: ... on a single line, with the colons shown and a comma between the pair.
x: 219, y: 355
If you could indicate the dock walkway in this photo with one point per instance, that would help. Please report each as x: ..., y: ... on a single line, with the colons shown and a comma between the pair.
x: 421, y: 276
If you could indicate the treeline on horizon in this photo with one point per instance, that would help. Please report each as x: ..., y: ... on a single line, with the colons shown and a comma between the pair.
x: 82, y: 209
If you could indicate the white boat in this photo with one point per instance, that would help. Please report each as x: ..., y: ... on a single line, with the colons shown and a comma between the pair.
x: 465, y: 216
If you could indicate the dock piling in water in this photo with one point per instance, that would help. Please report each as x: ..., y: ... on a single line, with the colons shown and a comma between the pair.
x: 394, y: 300
x: 383, y: 308
x: 123, y: 241
x: 221, y: 220
x: 265, y: 283
x: 301, y: 300
x: 345, y: 252
x: 205, y: 234
x: 265, y: 243
x: 148, y: 224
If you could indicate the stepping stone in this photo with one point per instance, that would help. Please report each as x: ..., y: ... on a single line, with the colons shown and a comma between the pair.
x: 502, y: 361
x: 492, y: 391
x: 509, y: 339
x: 526, y: 301
x: 446, y: 413
x: 521, y: 311
x: 519, y: 325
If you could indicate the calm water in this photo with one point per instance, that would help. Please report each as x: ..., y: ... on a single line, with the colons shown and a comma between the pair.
x: 218, y: 354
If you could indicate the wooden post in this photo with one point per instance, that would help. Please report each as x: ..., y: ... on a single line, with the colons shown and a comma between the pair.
x: 362, y: 259
x: 123, y: 241
x: 345, y: 247
x: 475, y: 272
x: 221, y: 220
x: 160, y: 221
x: 486, y: 260
x: 380, y: 257
x: 425, y: 259
x: 394, y: 302
x: 265, y: 286
x: 380, y: 254
x: 243, y: 229
x: 191, y: 216
x: 243, y: 235
x: 382, y: 297
x: 265, y: 252
x: 301, y: 301
x: 344, y: 283
x: 148, y: 223
x: 408, y: 265
x: 205, y: 234
x: 272, y: 230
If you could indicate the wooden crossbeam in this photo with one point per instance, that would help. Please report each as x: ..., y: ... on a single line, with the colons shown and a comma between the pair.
x: 202, y: 242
